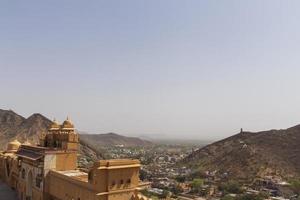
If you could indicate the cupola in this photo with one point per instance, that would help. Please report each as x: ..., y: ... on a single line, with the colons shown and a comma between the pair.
x: 67, y: 124
x: 54, y: 125
x: 13, y: 146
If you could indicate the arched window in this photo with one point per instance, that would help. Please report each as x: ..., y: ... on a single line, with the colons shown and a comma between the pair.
x: 38, y: 182
x: 7, y: 168
x: 23, y: 173
x: 90, y: 176
x: 29, y: 184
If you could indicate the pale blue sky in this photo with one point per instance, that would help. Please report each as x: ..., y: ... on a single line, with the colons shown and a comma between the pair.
x: 189, y: 69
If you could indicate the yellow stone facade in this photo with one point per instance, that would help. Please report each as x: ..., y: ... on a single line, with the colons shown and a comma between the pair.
x: 48, y: 171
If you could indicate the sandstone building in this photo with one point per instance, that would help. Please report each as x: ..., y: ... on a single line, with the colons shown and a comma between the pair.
x: 48, y: 171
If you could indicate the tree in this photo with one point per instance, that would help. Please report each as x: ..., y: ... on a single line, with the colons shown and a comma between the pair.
x: 165, y: 194
x: 250, y: 197
x: 143, y: 175
x: 227, y: 197
x: 197, y: 183
x: 198, y: 173
x: 180, y: 179
x: 231, y: 187
x: 295, y: 186
x: 263, y: 195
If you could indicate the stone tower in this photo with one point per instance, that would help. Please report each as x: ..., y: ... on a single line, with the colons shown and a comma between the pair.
x: 61, y: 137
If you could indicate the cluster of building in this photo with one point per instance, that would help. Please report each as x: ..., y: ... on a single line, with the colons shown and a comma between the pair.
x: 163, y: 169
x: 48, y: 171
x: 159, y: 165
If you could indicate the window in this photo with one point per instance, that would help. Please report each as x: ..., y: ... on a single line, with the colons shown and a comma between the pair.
x: 121, y: 182
x: 38, y: 182
x: 90, y: 176
x: 113, y: 183
x: 23, y: 174
x: 7, y: 169
x: 128, y: 181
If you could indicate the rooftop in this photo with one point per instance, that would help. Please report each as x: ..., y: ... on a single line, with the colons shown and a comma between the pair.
x: 76, y: 174
x: 117, y: 163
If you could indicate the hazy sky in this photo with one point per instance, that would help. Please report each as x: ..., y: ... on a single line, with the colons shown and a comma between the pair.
x: 189, y: 69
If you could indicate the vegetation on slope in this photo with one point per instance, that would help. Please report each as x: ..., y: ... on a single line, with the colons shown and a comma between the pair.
x: 247, y: 155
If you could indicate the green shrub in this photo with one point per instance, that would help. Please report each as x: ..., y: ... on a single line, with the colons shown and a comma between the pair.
x: 197, y: 184
x: 180, y: 179
x: 249, y: 197
x: 231, y: 187
x: 228, y: 197
x: 295, y: 185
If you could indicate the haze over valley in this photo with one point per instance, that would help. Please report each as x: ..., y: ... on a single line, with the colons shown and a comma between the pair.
x: 150, y: 100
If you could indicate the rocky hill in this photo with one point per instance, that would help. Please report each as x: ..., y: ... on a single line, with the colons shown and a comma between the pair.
x: 112, y: 139
x: 14, y: 126
x: 28, y: 129
x: 248, y: 155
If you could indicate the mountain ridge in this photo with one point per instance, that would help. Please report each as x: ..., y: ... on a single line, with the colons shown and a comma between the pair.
x: 111, y: 139
x: 15, y: 126
x: 248, y: 155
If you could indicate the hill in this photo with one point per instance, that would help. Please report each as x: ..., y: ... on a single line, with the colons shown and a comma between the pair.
x: 112, y: 139
x: 14, y: 126
x: 28, y: 129
x: 247, y: 155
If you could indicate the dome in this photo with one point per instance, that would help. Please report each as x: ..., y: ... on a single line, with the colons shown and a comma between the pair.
x: 13, y: 146
x: 54, y: 125
x: 26, y: 143
x: 68, y: 124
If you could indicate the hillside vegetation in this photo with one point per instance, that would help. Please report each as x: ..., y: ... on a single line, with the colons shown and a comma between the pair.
x: 250, y: 155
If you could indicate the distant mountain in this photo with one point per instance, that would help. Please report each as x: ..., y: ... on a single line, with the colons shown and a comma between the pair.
x: 111, y: 139
x: 14, y: 126
x: 249, y: 155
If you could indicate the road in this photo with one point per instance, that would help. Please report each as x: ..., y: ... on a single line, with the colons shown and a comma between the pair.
x: 6, y: 193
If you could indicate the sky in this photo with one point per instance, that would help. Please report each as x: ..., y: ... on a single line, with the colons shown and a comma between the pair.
x: 176, y: 69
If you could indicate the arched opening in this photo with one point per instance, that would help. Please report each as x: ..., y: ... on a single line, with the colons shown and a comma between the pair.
x: 23, y: 173
x: 7, y: 168
x: 29, y: 186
